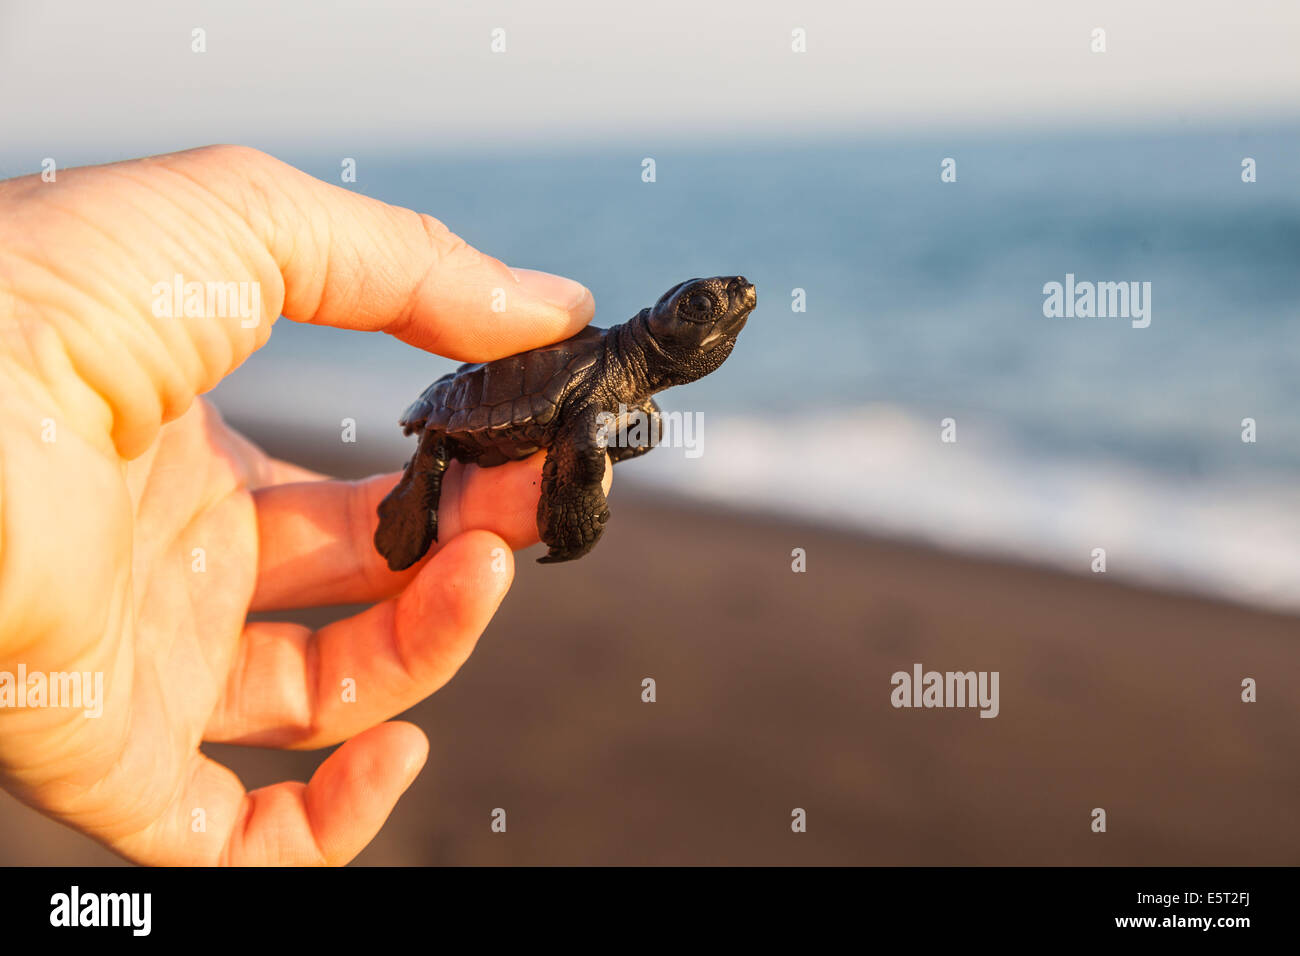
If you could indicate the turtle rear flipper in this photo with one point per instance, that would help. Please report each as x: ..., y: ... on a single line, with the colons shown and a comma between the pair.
x: 408, y: 515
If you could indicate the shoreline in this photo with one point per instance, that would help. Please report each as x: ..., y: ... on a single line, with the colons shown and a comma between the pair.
x: 313, y: 453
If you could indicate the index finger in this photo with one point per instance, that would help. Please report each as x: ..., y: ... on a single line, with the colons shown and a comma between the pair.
x: 353, y: 262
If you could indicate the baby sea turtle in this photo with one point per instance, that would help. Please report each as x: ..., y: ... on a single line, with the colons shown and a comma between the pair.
x: 565, y: 398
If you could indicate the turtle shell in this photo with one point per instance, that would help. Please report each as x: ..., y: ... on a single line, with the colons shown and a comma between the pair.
x: 518, y: 391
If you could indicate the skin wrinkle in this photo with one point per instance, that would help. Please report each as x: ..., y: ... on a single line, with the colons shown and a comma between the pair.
x: 326, y: 244
x: 139, y: 598
x: 29, y: 327
x: 252, y: 185
x: 436, y: 232
x: 242, y: 236
x: 311, y: 683
x: 52, y: 757
x: 197, y: 367
x: 363, y: 281
x: 242, y: 674
x: 283, y: 261
x: 115, y: 751
x: 322, y: 858
x: 231, y: 697
x: 304, y: 721
x: 158, y: 806
x: 33, y: 373
x: 276, y: 230
x: 299, y: 697
x: 185, y: 782
x: 390, y: 614
x: 216, y: 497
x: 240, y: 220
x: 86, y: 357
x: 168, y: 644
x: 175, y: 642
x: 242, y: 828
x: 159, y: 364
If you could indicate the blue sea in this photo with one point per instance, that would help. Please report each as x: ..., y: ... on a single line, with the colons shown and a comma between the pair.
x: 924, y: 302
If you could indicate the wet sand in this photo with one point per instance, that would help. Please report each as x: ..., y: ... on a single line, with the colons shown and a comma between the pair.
x: 773, y: 693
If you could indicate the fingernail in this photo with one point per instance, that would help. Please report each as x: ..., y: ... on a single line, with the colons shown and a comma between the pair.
x: 557, y: 290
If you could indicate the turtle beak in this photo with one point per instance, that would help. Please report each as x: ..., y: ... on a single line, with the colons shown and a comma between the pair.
x: 742, y: 294
x: 743, y: 298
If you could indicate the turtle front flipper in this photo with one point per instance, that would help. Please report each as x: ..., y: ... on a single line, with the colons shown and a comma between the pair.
x: 643, y: 430
x: 572, y: 512
x: 408, y: 515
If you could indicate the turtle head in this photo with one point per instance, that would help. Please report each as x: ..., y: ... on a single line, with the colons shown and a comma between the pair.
x: 696, y: 323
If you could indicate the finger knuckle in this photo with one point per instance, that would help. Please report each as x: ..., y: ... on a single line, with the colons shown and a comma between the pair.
x: 443, y: 243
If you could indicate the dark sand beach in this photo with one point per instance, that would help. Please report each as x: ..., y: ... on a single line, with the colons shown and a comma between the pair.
x: 774, y: 693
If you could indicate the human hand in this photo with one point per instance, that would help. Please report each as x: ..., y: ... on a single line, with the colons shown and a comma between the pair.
x: 112, y: 474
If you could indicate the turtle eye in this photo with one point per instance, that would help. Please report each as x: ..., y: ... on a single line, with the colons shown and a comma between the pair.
x: 700, y: 303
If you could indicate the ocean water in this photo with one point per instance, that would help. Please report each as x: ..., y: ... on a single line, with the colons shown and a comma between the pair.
x: 924, y: 301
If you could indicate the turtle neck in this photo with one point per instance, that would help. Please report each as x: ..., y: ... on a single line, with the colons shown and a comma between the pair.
x: 632, y: 348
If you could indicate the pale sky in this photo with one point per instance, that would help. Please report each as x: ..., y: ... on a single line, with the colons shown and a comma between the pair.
x: 121, y: 77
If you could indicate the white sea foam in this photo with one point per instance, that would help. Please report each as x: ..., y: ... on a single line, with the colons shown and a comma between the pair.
x: 883, y: 470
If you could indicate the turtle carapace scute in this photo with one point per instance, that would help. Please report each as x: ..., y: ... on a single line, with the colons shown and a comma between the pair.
x: 565, y: 398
